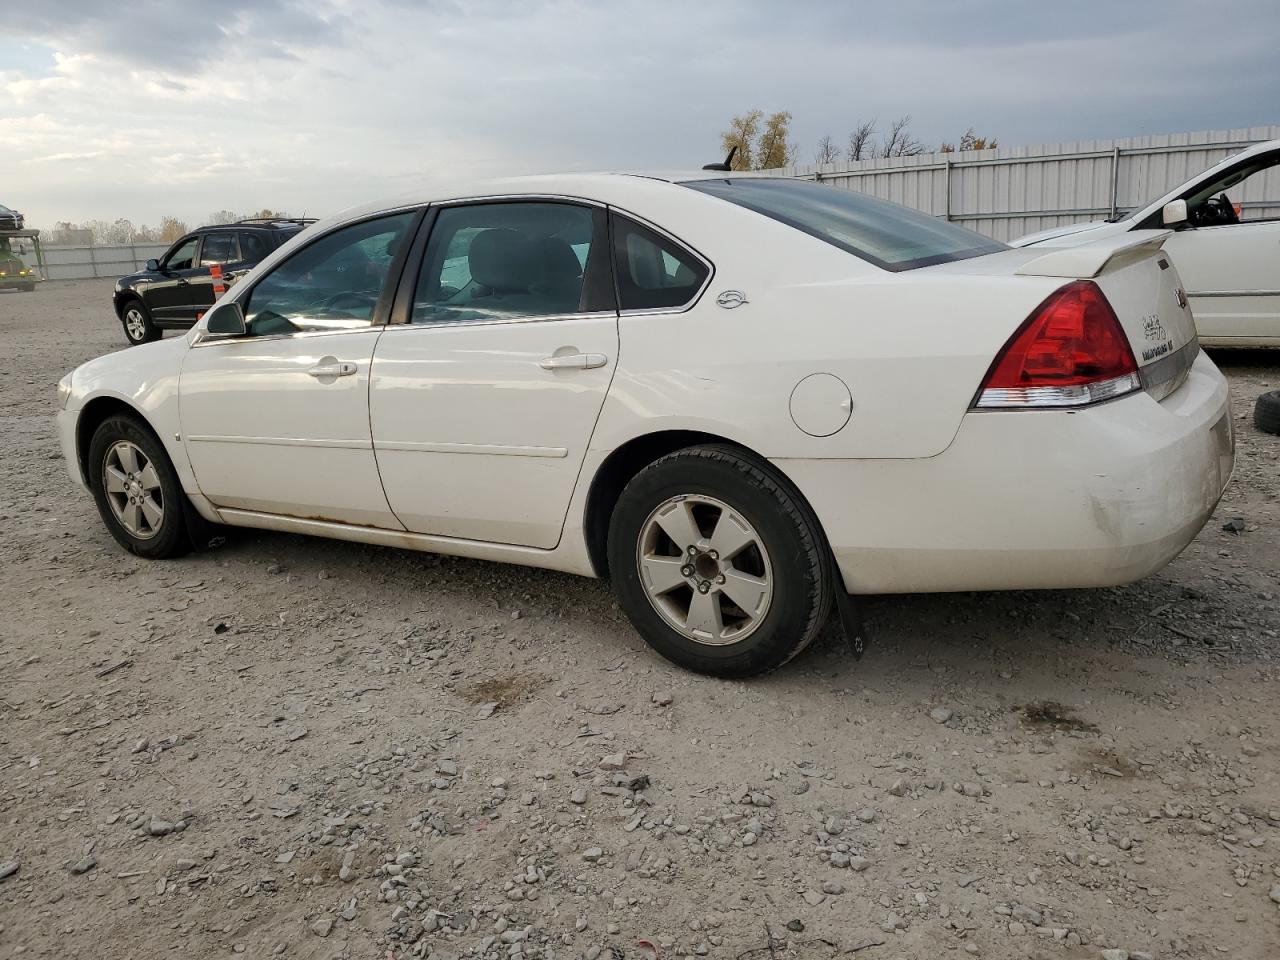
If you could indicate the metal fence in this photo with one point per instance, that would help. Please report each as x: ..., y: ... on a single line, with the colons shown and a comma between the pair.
x: 1008, y: 192
x: 1003, y: 193
x: 81, y: 262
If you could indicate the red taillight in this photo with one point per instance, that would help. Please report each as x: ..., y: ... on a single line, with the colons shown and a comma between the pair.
x: 1070, y: 351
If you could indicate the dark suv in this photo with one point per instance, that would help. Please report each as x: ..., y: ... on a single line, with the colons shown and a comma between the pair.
x: 172, y: 293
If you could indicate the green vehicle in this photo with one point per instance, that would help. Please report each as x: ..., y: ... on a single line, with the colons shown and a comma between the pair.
x: 13, y: 272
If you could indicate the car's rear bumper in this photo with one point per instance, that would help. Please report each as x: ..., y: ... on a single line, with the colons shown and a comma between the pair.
x: 1032, y: 499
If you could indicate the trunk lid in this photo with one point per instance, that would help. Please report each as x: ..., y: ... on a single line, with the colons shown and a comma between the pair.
x: 1143, y: 287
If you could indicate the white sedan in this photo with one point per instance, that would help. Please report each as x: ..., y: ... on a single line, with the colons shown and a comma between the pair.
x: 740, y: 399
x: 1226, y: 250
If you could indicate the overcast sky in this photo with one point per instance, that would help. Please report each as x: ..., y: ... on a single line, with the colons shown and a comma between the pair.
x: 311, y: 106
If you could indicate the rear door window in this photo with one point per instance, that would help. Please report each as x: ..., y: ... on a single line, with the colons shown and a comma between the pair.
x: 219, y: 248
x: 497, y: 261
x: 653, y: 271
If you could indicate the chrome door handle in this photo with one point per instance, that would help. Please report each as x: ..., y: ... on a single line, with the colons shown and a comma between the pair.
x: 574, y: 361
x: 344, y: 368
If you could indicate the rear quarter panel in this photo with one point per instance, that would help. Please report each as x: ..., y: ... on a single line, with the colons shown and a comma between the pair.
x: 912, y: 347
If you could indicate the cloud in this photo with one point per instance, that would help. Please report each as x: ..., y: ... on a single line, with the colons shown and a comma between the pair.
x: 316, y: 105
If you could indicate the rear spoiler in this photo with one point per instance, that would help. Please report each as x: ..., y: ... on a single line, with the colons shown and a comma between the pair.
x: 1090, y: 259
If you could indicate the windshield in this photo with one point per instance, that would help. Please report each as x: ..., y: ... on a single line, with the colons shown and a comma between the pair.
x: 1130, y: 211
x: 886, y: 234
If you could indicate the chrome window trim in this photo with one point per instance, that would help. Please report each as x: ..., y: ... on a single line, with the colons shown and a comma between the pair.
x: 1233, y: 293
x: 520, y: 198
x: 493, y: 321
x: 204, y: 340
x: 241, y: 294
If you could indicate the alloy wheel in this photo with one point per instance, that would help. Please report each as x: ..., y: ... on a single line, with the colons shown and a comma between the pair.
x: 135, y: 324
x: 705, y: 569
x: 132, y: 485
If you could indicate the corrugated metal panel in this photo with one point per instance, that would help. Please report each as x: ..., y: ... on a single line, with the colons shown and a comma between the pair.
x: 85, y: 262
x: 1008, y: 192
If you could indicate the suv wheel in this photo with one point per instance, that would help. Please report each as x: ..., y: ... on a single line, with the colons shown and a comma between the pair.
x: 138, y: 327
x: 136, y: 489
x: 719, y: 563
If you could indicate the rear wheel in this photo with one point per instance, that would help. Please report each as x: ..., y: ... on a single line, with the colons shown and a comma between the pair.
x: 719, y: 563
x: 136, y: 489
x: 138, y: 327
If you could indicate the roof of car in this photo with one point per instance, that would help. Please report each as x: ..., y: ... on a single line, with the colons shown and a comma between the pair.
x: 609, y: 187
x: 260, y: 223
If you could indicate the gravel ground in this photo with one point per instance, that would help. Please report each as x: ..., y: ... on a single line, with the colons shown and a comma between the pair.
x: 318, y: 749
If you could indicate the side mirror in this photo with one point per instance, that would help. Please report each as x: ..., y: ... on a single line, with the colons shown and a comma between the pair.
x: 1174, y: 213
x: 225, y: 320
x: 153, y: 265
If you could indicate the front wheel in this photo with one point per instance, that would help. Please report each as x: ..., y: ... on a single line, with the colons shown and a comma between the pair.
x: 138, y: 327
x: 719, y: 563
x: 137, y: 490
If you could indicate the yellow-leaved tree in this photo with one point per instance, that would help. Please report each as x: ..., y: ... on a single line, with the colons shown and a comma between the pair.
x: 761, y: 141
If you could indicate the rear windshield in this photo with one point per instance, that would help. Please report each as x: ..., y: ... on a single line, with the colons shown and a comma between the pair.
x: 892, y: 237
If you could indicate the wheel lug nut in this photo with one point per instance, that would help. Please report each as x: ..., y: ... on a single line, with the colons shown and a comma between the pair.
x: 692, y: 550
x: 720, y: 579
x: 703, y: 586
x: 686, y: 571
x: 713, y: 555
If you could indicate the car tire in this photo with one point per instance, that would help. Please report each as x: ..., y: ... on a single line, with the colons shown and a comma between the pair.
x: 138, y: 326
x: 758, y: 585
x: 137, y: 490
x: 28, y: 288
x: 1266, y: 412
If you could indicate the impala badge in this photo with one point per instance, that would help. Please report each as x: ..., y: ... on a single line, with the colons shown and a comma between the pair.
x: 729, y: 299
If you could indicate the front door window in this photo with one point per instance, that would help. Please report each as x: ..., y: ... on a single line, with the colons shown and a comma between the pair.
x: 182, y: 256
x: 335, y: 283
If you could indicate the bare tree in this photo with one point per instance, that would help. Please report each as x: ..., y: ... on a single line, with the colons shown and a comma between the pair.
x: 860, y: 145
x: 827, y: 151
x: 899, y: 142
x: 110, y: 233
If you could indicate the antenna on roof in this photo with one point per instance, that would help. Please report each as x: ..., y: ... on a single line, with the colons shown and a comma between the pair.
x: 728, y: 161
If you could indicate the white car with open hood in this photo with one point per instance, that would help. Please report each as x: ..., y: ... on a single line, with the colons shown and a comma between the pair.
x: 740, y: 399
x: 1225, y: 247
